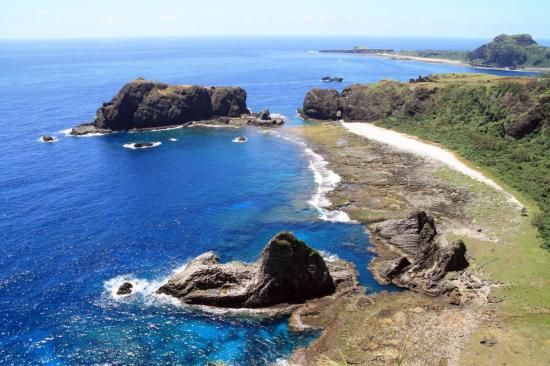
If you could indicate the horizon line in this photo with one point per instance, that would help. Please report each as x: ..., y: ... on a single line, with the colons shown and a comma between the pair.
x: 242, y: 36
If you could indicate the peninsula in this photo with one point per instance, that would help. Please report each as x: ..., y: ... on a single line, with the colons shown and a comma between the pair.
x: 511, y: 52
x: 487, y: 306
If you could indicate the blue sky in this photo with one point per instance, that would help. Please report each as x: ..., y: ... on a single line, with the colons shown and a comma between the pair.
x: 149, y: 18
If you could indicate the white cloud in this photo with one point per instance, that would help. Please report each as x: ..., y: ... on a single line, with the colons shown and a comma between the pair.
x: 307, y: 17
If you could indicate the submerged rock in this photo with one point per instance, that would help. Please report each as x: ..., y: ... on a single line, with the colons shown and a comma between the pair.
x: 240, y: 139
x: 141, y: 145
x: 288, y: 271
x: 125, y: 289
x: 416, y: 258
x: 332, y: 79
x: 47, y: 138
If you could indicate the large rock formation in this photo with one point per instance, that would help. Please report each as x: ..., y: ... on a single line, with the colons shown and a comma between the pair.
x: 414, y: 256
x: 510, y: 51
x: 144, y: 104
x: 516, y: 106
x: 288, y: 271
x: 367, y: 102
x: 322, y: 104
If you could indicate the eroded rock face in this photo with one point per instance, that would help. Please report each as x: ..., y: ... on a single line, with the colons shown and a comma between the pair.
x: 288, y: 271
x: 367, y: 102
x: 322, y: 104
x: 145, y: 104
x: 416, y: 258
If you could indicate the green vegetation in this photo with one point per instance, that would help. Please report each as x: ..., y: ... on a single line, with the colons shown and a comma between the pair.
x: 511, y: 51
x: 504, y: 51
x: 474, y: 117
x: 448, y: 55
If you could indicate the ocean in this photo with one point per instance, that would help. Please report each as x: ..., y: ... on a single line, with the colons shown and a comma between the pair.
x: 82, y: 215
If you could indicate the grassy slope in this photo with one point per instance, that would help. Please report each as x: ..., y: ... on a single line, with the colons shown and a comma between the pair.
x: 468, y: 119
x: 505, y: 49
x: 443, y: 54
x: 519, y: 262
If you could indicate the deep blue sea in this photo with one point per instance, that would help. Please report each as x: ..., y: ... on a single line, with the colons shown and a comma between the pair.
x: 81, y: 215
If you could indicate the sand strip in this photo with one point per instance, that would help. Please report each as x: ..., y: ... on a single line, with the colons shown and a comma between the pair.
x: 413, y: 145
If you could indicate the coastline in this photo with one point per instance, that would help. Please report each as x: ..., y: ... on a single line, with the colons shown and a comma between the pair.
x: 396, y: 56
x: 399, y: 57
x: 378, y: 182
x: 423, y: 148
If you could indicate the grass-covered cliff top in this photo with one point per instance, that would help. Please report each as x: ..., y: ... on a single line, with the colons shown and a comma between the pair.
x: 513, y: 51
x: 501, y: 124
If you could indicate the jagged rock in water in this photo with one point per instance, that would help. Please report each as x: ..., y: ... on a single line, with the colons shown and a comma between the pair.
x: 264, y: 115
x: 47, y: 138
x: 417, y: 259
x: 125, y: 289
x: 332, y: 79
x: 288, y: 271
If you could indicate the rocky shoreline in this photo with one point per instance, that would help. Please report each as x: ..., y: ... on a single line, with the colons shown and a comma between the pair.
x: 380, y: 187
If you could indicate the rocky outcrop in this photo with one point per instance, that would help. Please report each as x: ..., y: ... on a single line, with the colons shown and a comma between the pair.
x: 332, y: 79
x: 323, y: 104
x: 413, y: 255
x: 515, y: 106
x: 526, y: 123
x: 125, y: 289
x: 48, y: 138
x: 367, y: 102
x: 288, y: 271
x: 143, y: 104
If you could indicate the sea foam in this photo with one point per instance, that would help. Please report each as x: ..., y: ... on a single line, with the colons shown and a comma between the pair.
x: 132, y: 145
x: 326, y: 180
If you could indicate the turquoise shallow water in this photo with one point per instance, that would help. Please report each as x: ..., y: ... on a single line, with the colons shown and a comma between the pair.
x: 83, y: 214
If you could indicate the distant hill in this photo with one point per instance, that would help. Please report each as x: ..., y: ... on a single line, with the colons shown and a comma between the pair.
x: 518, y: 50
x: 515, y: 51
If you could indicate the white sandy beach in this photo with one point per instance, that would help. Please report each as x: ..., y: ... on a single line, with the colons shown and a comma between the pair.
x: 413, y: 145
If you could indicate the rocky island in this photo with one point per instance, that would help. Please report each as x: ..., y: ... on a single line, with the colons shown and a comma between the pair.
x: 142, y: 104
x: 288, y: 273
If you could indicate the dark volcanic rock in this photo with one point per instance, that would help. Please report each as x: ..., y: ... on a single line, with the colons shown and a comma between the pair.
x: 228, y: 101
x: 368, y: 102
x: 47, y: 138
x: 422, y: 260
x: 332, y: 79
x: 125, y: 289
x: 288, y: 271
x: 142, y: 145
x: 146, y: 104
x: 322, y: 104
x: 264, y: 115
